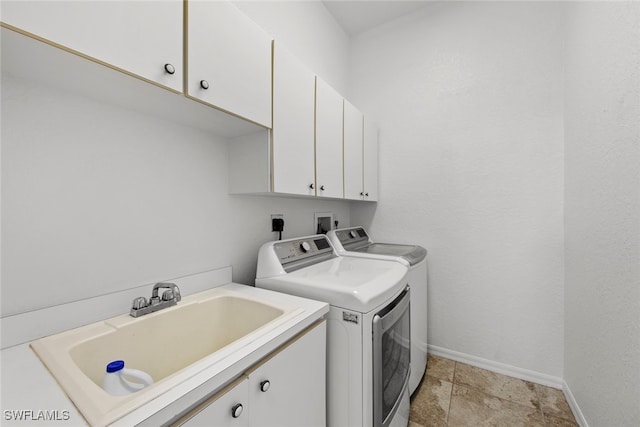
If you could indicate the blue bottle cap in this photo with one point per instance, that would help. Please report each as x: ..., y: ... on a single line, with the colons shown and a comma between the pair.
x: 115, y: 366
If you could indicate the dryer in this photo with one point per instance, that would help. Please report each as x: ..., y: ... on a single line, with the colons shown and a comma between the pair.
x: 355, y: 242
x: 368, y: 326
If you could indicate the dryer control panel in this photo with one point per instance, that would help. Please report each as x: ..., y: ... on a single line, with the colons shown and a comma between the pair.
x: 353, y: 238
x: 297, y: 253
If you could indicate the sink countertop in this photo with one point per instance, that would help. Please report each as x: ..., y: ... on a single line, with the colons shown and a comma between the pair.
x: 31, y: 395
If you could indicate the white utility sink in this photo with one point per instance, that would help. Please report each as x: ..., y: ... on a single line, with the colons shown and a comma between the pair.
x: 171, y: 345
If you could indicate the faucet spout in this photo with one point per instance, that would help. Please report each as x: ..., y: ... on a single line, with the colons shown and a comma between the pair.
x: 170, y: 286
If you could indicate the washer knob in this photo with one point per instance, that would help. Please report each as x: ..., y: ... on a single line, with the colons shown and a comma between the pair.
x: 305, y: 247
x: 264, y: 385
x: 353, y: 234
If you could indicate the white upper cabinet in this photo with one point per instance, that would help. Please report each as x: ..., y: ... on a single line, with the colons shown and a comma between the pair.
x: 353, y: 153
x: 292, y: 152
x: 142, y: 38
x: 229, y: 60
x: 360, y: 155
x: 370, y: 146
x: 328, y: 140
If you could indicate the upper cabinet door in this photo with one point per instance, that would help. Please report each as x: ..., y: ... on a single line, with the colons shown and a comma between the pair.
x: 329, y: 112
x: 370, y: 160
x: 353, y: 154
x: 229, y: 60
x: 142, y: 38
x: 292, y: 152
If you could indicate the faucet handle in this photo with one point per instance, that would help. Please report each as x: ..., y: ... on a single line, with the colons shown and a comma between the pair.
x: 168, y: 295
x: 138, y: 303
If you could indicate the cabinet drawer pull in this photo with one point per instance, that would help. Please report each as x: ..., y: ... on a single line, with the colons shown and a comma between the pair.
x: 264, y: 385
x: 236, y: 411
x: 170, y: 69
x: 204, y: 84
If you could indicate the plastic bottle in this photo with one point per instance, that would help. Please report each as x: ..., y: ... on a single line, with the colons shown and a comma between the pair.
x: 116, y: 384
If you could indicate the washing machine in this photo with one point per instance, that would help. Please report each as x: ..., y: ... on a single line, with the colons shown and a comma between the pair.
x: 368, y: 326
x: 355, y: 242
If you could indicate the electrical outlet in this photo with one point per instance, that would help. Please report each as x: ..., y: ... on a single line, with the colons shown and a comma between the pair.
x: 273, y: 217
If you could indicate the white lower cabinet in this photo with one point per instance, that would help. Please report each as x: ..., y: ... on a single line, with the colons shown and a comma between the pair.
x: 287, y: 388
x: 225, y: 409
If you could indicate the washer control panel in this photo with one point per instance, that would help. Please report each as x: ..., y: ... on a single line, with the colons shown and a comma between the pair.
x: 295, y: 253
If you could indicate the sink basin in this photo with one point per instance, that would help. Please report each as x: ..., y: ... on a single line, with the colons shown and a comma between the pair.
x: 149, y: 344
x: 202, y: 329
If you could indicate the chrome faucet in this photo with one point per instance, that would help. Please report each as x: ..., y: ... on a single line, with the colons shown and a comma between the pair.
x: 169, y: 298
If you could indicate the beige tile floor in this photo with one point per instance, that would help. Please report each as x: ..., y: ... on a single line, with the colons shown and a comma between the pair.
x: 454, y: 394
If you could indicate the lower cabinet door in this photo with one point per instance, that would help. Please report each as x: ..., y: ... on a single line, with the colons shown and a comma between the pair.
x: 288, y: 389
x: 229, y: 408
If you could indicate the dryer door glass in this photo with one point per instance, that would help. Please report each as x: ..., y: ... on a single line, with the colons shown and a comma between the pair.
x: 391, y: 357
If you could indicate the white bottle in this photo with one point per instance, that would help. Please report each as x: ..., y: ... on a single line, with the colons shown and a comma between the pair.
x: 116, y: 384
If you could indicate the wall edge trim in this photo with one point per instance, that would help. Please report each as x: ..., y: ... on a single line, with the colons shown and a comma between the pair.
x: 573, y: 404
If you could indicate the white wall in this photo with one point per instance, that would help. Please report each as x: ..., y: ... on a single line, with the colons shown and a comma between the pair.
x: 468, y: 97
x: 96, y: 198
x: 602, y: 208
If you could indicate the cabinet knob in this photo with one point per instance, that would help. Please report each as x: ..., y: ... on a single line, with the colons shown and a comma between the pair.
x: 264, y: 385
x: 366, y: 194
x: 236, y: 411
x: 322, y: 188
x: 204, y: 84
x: 170, y: 69
x: 311, y: 186
x: 362, y: 193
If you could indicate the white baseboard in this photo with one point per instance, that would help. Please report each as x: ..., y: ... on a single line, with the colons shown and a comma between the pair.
x: 513, y: 371
x: 500, y: 368
x: 571, y: 400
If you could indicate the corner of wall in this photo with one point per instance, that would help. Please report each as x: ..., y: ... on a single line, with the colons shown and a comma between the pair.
x: 573, y: 404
